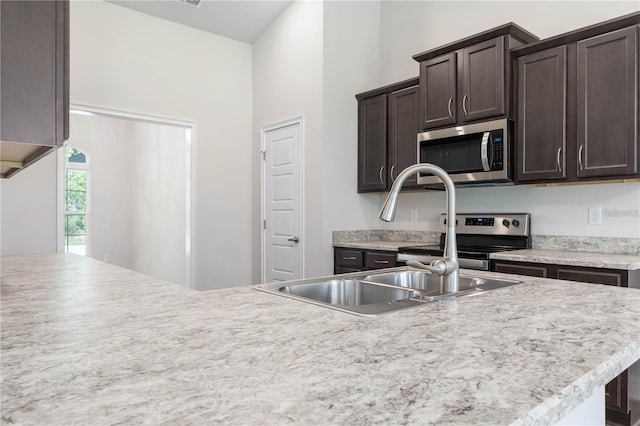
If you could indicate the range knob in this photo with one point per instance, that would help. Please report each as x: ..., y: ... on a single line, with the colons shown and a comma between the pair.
x: 515, y: 222
x: 505, y: 222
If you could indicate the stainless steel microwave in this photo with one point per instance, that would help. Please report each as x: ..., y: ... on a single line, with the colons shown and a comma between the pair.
x: 474, y: 154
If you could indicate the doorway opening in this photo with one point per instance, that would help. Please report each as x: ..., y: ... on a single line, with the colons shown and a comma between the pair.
x: 140, y: 192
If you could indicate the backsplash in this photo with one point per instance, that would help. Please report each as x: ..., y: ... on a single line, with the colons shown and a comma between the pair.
x: 587, y: 244
x: 540, y: 242
x: 424, y: 237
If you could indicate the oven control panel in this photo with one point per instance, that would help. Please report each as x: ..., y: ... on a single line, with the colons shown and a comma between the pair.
x: 514, y: 224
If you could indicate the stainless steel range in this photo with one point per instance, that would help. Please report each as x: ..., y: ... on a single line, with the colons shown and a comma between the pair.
x: 478, y: 235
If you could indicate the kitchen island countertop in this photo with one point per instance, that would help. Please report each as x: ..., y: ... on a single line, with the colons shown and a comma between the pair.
x: 85, y: 342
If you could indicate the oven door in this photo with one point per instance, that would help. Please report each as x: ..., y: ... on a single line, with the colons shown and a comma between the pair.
x: 472, y: 154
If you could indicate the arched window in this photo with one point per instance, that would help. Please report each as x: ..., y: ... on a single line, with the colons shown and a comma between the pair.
x: 76, y: 191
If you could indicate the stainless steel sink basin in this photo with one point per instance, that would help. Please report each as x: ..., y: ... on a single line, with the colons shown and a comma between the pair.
x: 372, y: 293
x: 349, y: 292
x: 426, y: 282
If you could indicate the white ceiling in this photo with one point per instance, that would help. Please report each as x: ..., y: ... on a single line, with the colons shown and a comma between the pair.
x: 242, y: 20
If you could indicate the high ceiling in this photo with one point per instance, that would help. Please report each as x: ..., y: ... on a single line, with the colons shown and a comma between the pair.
x: 242, y: 20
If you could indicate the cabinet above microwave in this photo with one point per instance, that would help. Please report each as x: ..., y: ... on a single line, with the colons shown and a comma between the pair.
x: 470, y: 79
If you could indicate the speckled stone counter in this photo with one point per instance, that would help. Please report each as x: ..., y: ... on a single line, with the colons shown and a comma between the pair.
x: 84, y: 342
x: 387, y: 240
x: 574, y: 258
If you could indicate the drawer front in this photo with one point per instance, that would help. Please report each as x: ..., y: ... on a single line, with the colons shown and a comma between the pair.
x: 376, y: 260
x: 529, y: 270
x: 602, y: 276
x: 352, y: 258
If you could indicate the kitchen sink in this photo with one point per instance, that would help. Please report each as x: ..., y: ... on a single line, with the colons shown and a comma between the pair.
x: 349, y: 292
x: 353, y: 295
x: 371, y: 294
x: 424, y: 281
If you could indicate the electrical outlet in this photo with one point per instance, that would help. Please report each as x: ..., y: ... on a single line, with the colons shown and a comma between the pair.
x: 414, y: 216
x: 595, y: 215
x: 106, y: 258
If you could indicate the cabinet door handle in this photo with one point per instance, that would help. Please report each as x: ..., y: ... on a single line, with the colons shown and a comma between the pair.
x: 580, y: 157
x: 449, y: 107
x: 381, y: 262
x: 465, y: 98
x: 558, y: 159
x: 295, y: 239
x: 380, y: 174
x: 393, y: 178
x: 348, y: 258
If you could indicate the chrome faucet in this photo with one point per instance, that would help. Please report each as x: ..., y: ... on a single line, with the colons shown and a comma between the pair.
x: 447, y: 267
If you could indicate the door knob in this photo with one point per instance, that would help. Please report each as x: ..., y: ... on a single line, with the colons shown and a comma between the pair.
x: 294, y: 239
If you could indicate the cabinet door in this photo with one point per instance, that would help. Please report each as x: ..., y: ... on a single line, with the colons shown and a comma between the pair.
x: 616, y: 393
x: 438, y: 91
x: 541, y: 136
x: 403, y: 130
x: 483, y: 80
x: 34, y: 72
x: 372, y: 144
x: 607, y: 93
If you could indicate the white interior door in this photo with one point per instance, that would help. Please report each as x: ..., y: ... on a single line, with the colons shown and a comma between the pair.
x: 282, y: 202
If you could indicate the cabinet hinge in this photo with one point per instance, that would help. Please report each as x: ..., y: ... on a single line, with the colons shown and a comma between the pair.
x: 264, y: 224
x: 264, y: 155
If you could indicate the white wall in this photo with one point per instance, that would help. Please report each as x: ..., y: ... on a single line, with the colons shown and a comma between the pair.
x: 352, y: 64
x: 287, y: 81
x: 128, y: 61
x: 28, y: 214
x: 159, y: 201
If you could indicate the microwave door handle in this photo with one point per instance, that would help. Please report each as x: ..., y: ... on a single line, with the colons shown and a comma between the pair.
x: 484, y: 151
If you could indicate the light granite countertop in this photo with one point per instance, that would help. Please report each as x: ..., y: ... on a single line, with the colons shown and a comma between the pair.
x: 85, y: 342
x: 375, y: 245
x: 574, y: 258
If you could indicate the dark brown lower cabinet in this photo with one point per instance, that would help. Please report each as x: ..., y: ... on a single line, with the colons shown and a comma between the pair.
x: 617, y: 391
x: 346, y: 260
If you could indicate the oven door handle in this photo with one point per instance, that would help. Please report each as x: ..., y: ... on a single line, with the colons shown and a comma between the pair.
x: 484, y: 151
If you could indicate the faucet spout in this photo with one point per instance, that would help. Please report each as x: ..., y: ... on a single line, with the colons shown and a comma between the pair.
x: 447, y: 267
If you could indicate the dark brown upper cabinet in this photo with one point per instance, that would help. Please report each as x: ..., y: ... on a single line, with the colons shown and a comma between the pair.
x: 483, y: 80
x: 438, y: 91
x: 577, y: 102
x: 542, y: 95
x: 470, y: 79
x: 403, y: 130
x: 34, y: 72
x: 372, y: 144
x: 387, y: 135
x: 607, y: 97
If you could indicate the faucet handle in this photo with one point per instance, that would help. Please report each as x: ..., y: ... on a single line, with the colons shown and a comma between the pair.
x: 438, y: 266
